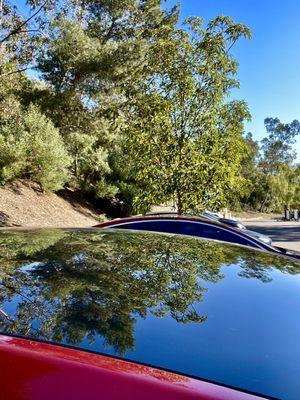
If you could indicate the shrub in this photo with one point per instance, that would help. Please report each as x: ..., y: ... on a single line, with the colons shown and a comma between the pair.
x: 47, y: 158
x: 31, y: 147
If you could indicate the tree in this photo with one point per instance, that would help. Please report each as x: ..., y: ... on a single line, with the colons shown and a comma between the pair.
x: 140, y: 105
x: 20, y: 37
x: 47, y: 159
x: 277, y: 155
x: 252, y: 175
x: 270, y: 168
x: 184, y: 141
x: 277, y: 147
x: 88, y: 62
x: 31, y: 147
x: 284, y: 187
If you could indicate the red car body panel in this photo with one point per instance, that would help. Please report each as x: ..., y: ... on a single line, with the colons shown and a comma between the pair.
x: 32, y: 370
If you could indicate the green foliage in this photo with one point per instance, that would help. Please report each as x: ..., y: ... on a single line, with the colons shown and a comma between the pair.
x: 273, y: 177
x: 31, y: 147
x: 12, y: 156
x: 90, y: 162
x: 284, y: 189
x: 129, y: 108
x: 185, y: 141
x: 47, y: 159
x: 89, y: 64
x: 277, y: 147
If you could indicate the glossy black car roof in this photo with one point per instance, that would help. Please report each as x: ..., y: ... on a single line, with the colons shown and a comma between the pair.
x: 215, y: 311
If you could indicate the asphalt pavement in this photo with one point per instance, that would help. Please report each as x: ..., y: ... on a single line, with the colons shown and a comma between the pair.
x: 283, y: 233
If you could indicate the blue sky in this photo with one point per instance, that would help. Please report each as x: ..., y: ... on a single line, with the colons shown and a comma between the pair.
x: 269, y: 71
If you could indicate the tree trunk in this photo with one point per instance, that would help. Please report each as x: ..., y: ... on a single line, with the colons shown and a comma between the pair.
x: 76, y: 166
x: 179, y: 202
x: 264, y: 202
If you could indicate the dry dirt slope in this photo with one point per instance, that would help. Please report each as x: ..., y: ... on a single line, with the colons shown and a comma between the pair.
x: 23, y: 204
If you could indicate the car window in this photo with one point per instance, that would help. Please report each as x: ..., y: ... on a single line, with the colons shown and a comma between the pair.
x: 210, y: 216
x: 189, y: 228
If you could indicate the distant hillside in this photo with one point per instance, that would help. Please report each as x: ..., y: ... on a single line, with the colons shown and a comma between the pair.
x: 23, y: 204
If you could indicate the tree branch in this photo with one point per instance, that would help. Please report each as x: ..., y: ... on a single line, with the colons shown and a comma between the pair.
x: 28, y: 30
x: 232, y: 44
x: 18, y: 29
x: 15, y: 72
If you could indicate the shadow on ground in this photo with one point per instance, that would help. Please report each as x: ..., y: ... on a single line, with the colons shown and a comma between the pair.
x: 4, y: 220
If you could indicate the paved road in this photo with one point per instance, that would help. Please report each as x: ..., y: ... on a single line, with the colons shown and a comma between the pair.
x: 284, y: 234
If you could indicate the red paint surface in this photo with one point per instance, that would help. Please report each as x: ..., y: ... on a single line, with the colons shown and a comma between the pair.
x: 31, y: 370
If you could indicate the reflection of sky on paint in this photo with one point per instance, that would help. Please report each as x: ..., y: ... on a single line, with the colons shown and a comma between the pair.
x: 79, y: 257
x: 162, y: 341
x: 269, y: 63
x: 235, y: 334
x: 30, y: 267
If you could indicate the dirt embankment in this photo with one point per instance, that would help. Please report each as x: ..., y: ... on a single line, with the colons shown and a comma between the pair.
x: 24, y: 204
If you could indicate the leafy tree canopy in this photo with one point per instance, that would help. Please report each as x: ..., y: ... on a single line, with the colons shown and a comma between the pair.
x: 185, y: 140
